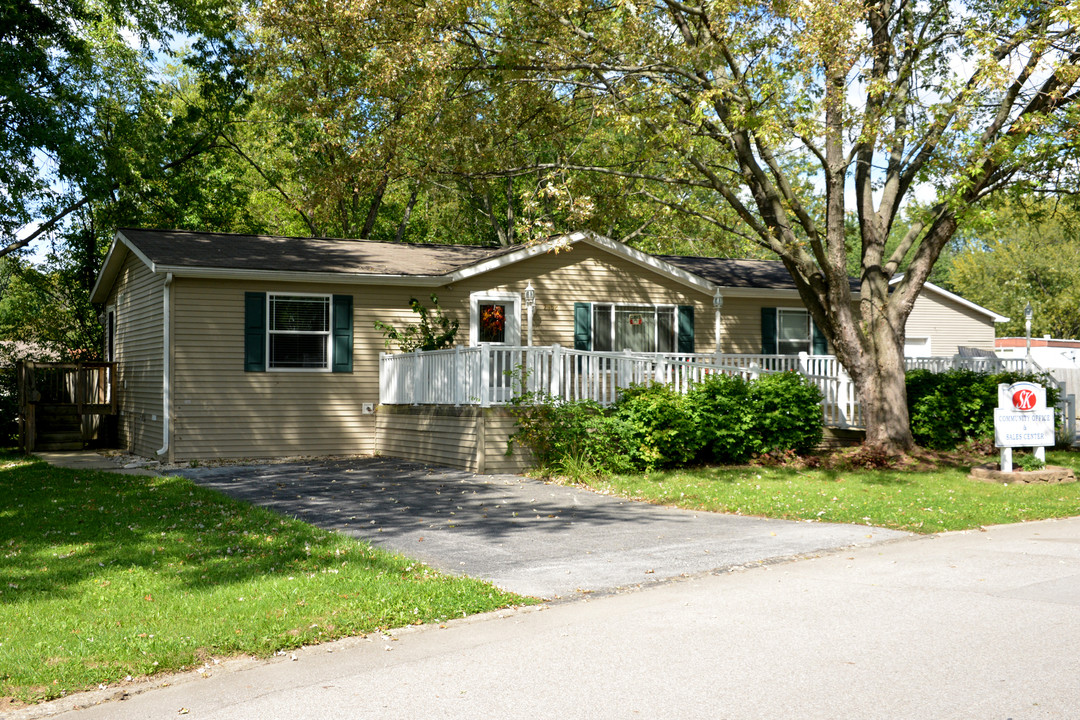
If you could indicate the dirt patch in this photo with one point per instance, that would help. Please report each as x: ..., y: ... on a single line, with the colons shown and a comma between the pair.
x: 865, y: 458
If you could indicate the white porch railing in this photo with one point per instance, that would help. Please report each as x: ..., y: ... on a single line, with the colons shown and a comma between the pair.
x: 495, y: 374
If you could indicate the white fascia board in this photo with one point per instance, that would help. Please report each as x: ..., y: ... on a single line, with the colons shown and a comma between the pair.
x: 759, y: 292
x: 510, y: 258
x: 616, y: 248
x: 110, y: 268
x: 957, y: 299
x: 300, y: 276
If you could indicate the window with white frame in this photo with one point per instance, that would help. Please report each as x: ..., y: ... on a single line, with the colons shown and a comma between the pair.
x: 790, y: 331
x: 793, y: 332
x: 494, y: 317
x: 298, y: 332
x: 638, y: 328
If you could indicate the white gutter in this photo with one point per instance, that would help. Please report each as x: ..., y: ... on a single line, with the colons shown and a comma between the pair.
x: 166, y: 398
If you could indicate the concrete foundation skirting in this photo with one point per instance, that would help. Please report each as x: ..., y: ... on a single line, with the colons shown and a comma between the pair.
x: 467, y: 437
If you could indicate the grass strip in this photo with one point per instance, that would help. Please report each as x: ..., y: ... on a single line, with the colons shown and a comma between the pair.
x: 105, y: 576
x: 916, y: 501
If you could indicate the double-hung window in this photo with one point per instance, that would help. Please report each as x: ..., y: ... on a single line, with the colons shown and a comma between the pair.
x: 297, y: 331
x: 298, y: 334
x: 790, y: 331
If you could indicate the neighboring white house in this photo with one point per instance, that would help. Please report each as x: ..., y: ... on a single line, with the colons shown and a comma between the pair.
x: 1046, y: 352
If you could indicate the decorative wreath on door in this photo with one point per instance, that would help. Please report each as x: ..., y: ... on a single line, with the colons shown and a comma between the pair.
x: 493, y: 320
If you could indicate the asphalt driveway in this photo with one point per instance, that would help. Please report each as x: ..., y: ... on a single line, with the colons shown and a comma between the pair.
x: 526, y: 536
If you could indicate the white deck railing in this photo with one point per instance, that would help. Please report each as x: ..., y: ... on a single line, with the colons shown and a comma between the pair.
x: 495, y: 374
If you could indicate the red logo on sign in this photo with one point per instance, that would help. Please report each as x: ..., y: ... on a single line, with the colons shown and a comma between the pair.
x: 1024, y: 399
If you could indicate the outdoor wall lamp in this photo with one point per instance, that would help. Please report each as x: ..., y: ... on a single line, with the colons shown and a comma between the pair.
x: 1028, y: 313
x: 530, y: 303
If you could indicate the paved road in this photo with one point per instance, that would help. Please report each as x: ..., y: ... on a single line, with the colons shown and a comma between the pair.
x: 526, y: 536
x: 961, y: 625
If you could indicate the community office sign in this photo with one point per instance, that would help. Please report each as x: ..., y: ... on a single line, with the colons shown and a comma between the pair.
x: 1022, y: 419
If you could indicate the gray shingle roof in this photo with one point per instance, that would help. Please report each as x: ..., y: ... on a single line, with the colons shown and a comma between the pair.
x: 177, y: 248
x: 725, y: 272
x: 181, y: 248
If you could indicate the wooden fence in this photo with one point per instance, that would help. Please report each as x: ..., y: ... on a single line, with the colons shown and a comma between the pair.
x: 62, y: 406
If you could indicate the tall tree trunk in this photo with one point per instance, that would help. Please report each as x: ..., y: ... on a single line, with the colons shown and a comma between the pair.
x: 373, y: 209
x: 882, y: 390
x: 408, y: 212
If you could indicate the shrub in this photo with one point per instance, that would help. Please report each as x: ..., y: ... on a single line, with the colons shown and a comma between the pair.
x: 9, y: 407
x: 787, y: 413
x: 660, y: 424
x: 571, y: 437
x: 433, y: 331
x: 950, y: 408
x: 724, y: 418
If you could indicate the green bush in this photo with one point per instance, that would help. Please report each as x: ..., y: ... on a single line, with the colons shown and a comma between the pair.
x: 571, y: 437
x: 949, y: 408
x: 787, y: 413
x: 724, y: 417
x: 9, y: 407
x: 661, y: 427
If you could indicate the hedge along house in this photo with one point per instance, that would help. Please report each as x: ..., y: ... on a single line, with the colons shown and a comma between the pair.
x: 240, y: 346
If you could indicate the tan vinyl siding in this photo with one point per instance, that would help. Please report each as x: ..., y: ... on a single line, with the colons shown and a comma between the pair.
x: 219, y: 410
x: 949, y: 325
x: 740, y: 331
x: 137, y: 297
x: 583, y: 274
x: 468, y: 437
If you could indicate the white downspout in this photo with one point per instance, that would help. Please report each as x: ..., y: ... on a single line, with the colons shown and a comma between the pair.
x: 166, y: 350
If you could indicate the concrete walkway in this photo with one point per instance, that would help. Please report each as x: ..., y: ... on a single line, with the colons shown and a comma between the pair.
x: 961, y: 625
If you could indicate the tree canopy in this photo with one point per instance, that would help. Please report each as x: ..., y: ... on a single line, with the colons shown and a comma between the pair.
x: 840, y: 136
x: 791, y: 114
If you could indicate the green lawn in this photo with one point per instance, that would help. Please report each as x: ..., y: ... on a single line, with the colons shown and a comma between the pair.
x: 922, y: 502
x: 105, y: 576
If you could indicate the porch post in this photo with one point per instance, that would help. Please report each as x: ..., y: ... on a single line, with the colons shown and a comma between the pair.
x: 717, y: 303
x: 459, y: 377
x: 556, y: 371
x: 417, y: 377
x: 485, y: 375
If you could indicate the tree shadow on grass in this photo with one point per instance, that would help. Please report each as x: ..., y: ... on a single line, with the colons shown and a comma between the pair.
x: 880, y: 479
x: 60, y: 527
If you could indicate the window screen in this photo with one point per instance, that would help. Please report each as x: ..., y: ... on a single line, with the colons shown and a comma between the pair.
x: 299, y: 331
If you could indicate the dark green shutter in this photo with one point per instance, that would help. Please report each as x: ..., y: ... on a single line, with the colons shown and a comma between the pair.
x: 768, y: 331
x: 254, y: 332
x: 582, y: 326
x: 343, y: 334
x: 821, y: 345
x: 686, y: 329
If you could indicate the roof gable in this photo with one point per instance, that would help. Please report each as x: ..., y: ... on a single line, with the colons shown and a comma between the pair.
x: 943, y: 293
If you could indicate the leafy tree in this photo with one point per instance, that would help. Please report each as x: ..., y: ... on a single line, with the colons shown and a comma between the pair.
x: 1021, y: 253
x: 71, y: 75
x: 777, y: 111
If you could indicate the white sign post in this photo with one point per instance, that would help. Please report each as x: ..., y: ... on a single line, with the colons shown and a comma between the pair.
x: 1022, y: 419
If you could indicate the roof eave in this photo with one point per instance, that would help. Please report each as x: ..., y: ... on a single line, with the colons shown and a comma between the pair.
x: 186, y: 271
